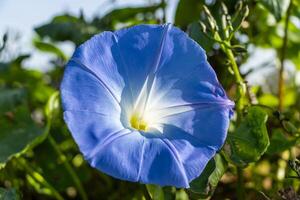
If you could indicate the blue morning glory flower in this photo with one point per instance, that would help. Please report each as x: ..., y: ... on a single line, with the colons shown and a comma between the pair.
x: 144, y: 105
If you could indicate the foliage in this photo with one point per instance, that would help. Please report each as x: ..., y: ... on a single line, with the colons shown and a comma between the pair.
x: 39, y: 159
x: 8, y: 194
x: 207, y: 183
x: 250, y: 139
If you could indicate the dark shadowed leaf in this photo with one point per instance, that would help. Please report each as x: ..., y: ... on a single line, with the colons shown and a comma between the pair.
x: 123, y: 15
x: 18, y: 130
x: 195, y: 32
x: 9, y: 98
x: 206, y: 183
x: 50, y: 48
x: 67, y: 28
x: 9, y: 194
x: 250, y: 139
x: 280, y: 142
x: 187, y: 12
x: 18, y: 133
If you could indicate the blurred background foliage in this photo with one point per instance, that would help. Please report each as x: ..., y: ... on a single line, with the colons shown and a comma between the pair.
x: 39, y: 159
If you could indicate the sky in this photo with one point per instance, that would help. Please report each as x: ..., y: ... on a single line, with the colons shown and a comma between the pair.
x: 21, y: 16
x: 24, y: 15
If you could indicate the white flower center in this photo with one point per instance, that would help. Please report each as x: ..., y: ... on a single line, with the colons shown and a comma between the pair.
x: 140, y: 116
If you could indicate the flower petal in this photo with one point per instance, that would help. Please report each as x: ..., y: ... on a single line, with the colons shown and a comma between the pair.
x: 186, y: 92
x: 82, y: 90
x: 209, y: 124
x: 164, y: 164
x: 100, y: 56
x: 90, y: 130
x: 192, y: 154
x: 184, y: 75
x: 105, y: 77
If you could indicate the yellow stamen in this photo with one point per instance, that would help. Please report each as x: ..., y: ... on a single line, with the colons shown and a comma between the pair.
x: 138, y: 123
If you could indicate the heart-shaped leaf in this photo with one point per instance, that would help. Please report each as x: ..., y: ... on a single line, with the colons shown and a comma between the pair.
x: 250, y: 140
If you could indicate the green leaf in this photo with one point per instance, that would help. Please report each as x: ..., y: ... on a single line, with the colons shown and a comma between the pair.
x: 250, y: 139
x: 181, y: 195
x: 53, y: 106
x: 276, y: 7
x: 206, y: 183
x: 9, y: 98
x: 187, y: 12
x: 268, y: 100
x: 295, y: 165
x: 50, y: 48
x: 125, y: 15
x: 18, y: 130
x: 196, y: 32
x: 9, y: 194
x: 289, y: 127
x: 67, y: 28
x: 18, y: 133
x: 156, y: 192
x: 280, y: 142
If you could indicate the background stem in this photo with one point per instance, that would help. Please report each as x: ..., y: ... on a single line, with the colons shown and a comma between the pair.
x: 39, y: 178
x: 68, y: 167
x: 164, y: 17
x: 281, y: 86
x: 240, y: 184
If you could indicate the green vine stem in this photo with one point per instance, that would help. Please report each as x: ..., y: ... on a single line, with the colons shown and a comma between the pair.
x: 39, y: 178
x: 241, y: 87
x: 241, y: 93
x: 69, y: 168
x: 281, y: 86
x: 52, y: 108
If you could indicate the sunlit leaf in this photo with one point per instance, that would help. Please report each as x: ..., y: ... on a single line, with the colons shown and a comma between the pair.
x: 276, y: 7
x: 156, y: 192
x: 181, y: 195
x: 53, y: 105
x: 268, y: 100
